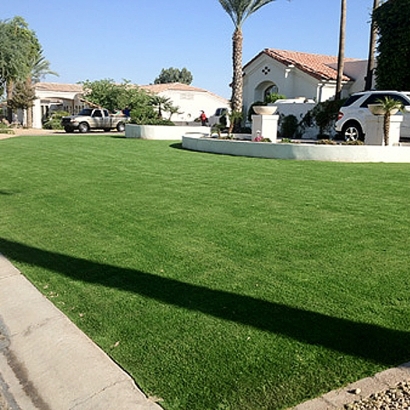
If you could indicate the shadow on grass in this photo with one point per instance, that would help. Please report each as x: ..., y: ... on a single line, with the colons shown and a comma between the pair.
x: 368, y: 341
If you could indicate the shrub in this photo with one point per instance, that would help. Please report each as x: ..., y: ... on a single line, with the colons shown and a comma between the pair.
x: 289, y: 126
x: 357, y: 142
x: 323, y: 115
x: 5, y: 129
x: 326, y: 142
x: 54, y: 121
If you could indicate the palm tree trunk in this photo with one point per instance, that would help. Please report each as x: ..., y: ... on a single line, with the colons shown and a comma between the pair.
x: 341, y: 57
x: 9, y: 96
x: 29, y: 117
x: 237, y: 81
x: 386, y: 127
x: 372, y: 50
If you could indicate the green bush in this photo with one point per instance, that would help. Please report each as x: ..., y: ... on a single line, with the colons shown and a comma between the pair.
x: 273, y: 97
x: 323, y: 115
x: 5, y: 129
x: 54, y: 121
x: 289, y: 126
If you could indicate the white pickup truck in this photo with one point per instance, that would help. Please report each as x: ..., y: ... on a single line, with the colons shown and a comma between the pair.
x: 94, y: 118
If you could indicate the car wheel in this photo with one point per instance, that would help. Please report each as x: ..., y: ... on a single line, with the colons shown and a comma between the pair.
x: 121, y: 127
x: 68, y: 129
x: 83, y: 127
x: 352, y: 131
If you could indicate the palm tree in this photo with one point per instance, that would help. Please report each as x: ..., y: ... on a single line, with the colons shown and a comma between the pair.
x: 372, y: 49
x: 239, y: 11
x: 161, y: 104
x: 389, y: 106
x: 341, y: 56
x: 40, y: 67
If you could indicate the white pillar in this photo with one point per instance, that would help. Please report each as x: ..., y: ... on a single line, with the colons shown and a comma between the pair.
x: 266, y: 126
x: 374, y: 130
x: 37, y: 114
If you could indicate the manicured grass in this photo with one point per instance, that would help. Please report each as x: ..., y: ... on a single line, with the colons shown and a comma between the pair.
x: 218, y: 282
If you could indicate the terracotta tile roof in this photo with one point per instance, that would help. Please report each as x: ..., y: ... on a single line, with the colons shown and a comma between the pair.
x: 58, y: 87
x: 158, y: 88
x: 317, y: 65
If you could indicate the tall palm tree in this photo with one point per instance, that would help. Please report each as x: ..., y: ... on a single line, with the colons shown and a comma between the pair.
x: 40, y: 67
x: 372, y: 50
x: 341, y: 56
x: 239, y: 11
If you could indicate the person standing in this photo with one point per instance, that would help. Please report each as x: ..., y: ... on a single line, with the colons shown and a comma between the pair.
x: 203, y: 118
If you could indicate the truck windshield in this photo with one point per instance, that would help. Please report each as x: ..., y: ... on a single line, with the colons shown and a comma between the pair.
x: 86, y: 111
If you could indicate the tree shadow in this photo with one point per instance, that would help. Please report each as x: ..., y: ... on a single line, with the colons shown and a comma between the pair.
x: 371, y: 342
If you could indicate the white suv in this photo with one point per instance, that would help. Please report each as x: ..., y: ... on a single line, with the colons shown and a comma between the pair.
x: 351, y: 120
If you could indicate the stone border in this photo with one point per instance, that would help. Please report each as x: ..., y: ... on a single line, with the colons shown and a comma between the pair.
x: 336, y: 399
x: 302, y: 151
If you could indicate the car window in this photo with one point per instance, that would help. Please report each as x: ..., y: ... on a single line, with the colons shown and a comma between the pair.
x: 351, y: 100
x: 373, y: 99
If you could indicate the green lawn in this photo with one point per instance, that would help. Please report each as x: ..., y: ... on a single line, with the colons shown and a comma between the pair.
x: 217, y: 282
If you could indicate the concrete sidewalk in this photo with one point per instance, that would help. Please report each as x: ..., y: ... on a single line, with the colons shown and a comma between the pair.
x: 47, y: 363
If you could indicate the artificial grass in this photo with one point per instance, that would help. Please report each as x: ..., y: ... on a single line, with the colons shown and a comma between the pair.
x: 218, y: 282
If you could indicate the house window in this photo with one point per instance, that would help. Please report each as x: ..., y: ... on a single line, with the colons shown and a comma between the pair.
x: 272, y: 89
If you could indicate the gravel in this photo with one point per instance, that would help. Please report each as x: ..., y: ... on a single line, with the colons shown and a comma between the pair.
x: 394, y: 398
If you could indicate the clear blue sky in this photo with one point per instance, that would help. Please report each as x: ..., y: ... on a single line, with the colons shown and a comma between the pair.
x: 135, y: 39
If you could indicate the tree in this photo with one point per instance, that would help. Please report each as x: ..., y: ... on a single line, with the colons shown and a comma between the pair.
x: 389, y: 106
x: 112, y: 96
x: 341, y: 55
x: 393, y: 62
x: 18, y: 48
x: 161, y: 104
x: 239, y: 11
x: 23, y: 96
x: 174, y: 75
x: 372, y: 50
x: 40, y: 67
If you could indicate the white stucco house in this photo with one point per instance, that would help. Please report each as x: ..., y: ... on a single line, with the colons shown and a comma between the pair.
x: 299, y: 75
x: 55, y: 96
x: 69, y: 97
x: 191, y: 100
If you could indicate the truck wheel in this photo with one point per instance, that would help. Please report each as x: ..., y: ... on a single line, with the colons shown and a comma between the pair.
x: 68, y: 129
x: 83, y: 127
x: 120, y: 127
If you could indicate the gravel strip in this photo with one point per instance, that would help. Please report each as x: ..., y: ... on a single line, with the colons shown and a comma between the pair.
x: 397, y: 397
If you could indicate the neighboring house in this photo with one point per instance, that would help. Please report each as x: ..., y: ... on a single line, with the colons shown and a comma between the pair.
x: 297, y: 74
x: 69, y: 97
x: 54, y: 96
x: 190, y: 100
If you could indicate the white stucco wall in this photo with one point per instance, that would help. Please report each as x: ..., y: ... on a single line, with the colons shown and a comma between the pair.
x: 291, y: 82
x: 192, y: 102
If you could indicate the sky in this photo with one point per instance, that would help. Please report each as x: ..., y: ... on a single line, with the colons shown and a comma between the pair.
x: 135, y: 39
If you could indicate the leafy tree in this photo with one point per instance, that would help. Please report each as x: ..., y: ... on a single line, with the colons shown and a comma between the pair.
x: 112, y: 96
x: 18, y: 48
x: 174, y: 75
x: 239, y: 11
x: 393, y: 63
